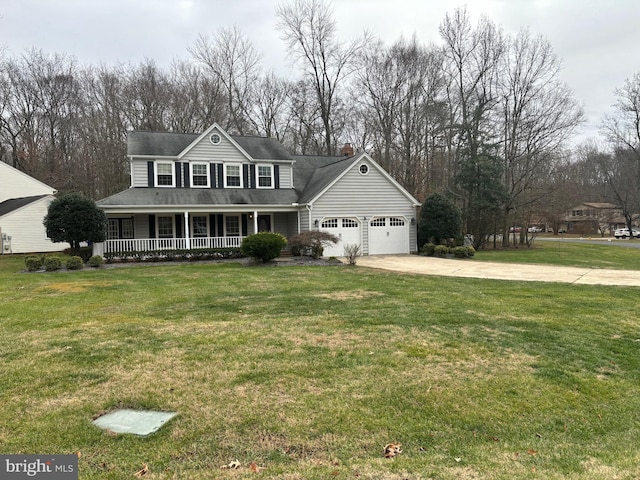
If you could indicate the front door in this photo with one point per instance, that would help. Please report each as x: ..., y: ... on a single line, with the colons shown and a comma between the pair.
x: 264, y: 223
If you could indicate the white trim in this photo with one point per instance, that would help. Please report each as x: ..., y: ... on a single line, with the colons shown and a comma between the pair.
x: 207, y: 174
x: 272, y: 178
x: 207, y: 226
x: 224, y: 174
x: 173, y: 225
x: 224, y: 224
x: 207, y: 133
x: 155, y: 174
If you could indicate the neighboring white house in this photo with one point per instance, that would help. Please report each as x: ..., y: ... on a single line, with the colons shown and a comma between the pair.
x: 24, y: 202
x: 210, y: 190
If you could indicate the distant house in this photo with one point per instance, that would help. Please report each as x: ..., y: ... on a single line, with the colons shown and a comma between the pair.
x: 594, y: 218
x: 24, y: 202
x: 211, y: 190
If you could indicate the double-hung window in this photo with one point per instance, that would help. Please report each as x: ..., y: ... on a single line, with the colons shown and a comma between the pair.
x: 164, y: 174
x: 200, y: 175
x: 165, y: 227
x: 265, y: 176
x: 199, y: 225
x: 233, y: 175
x: 232, y: 226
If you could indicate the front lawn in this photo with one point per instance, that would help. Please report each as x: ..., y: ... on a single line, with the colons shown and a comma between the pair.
x: 308, y: 372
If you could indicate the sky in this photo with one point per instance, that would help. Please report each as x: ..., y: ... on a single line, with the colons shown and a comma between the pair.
x: 597, y: 41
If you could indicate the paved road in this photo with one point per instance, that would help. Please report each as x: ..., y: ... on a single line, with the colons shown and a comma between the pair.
x: 500, y: 271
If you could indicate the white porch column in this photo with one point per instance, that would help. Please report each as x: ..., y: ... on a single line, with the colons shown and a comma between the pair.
x: 255, y: 221
x: 186, y: 231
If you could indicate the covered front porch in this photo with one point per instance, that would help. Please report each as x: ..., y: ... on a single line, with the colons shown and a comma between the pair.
x: 190, y: 230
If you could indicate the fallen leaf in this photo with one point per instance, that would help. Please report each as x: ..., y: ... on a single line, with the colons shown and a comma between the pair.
x: 255, y: 468
x: 531, y: 451
x: 392, y: 449
x: 539, y: 435
x: 143, y: 471
x: 458, y: 459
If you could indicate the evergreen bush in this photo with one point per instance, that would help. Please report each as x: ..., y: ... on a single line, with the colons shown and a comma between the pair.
x: 33, y: 264
x: 263, y: 246
x: 441, y: 251
x: 74, y: 263
x: 52, y: 263
x: 95, y: 261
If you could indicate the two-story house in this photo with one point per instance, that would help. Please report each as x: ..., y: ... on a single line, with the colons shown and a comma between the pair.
x: 210, y: 190
x: 594, y: 218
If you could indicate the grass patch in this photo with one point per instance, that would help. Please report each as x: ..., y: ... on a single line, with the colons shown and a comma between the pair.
x: 310, y: 371
x: 567, y: 253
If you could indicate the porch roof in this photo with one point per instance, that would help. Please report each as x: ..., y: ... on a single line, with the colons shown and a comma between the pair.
x: 194, y: 197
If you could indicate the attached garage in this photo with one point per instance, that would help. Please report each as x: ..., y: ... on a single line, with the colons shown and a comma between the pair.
x: 388, y: 235
x: 347, y: 229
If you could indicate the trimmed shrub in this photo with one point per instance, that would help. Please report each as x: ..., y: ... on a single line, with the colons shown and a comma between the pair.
x: 460, y: 252
x: 74, y: 263
x: 263, y: 246
x: 33, y: 264
x: 52, y: 263
x: 95, y: 261
x: 428, y: 249
x: 470, y: 251
x: 441, y: 250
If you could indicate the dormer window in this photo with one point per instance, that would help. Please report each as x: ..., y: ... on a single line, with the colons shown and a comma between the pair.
x: 164, y: 174
x: 265, y: 176
x: 233, y: 175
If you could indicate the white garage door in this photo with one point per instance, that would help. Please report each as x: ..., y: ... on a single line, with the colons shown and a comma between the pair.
x: 388, y: 235
x: 346, y: 229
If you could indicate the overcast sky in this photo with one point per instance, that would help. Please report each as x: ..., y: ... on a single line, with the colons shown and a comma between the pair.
x: 597, y: 41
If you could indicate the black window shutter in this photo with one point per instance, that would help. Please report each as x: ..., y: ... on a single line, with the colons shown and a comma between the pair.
x: 212, y: 225
x: 185, y: 170
x: 220, y: 176
x: 150, y: 174
x: 276, y: 176
x: 179, y: 220
x: 245, y: 175
x: 244, y: 224
x: 178, y: 176
x: 152, y: 226
x: 220, y: 225
x: 254, y: 179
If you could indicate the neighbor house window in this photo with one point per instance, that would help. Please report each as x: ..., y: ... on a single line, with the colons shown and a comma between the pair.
x: 199, y: 226
x: 200, y: 175
x: 232, y: 226
x: 165, y: 227
x: 164, y: 174
x: 233, y: 176
x: 265, y: 176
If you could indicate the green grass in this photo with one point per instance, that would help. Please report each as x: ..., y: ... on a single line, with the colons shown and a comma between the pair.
x: 310, y: 371
x: 566, y: 253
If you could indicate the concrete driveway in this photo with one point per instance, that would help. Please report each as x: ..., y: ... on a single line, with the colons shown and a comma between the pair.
x: 500, y: 271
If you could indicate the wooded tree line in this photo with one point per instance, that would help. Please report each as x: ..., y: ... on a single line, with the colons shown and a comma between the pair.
x: 481, y: 117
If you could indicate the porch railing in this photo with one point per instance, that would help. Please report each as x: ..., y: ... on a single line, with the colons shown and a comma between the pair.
x: 153, y: 244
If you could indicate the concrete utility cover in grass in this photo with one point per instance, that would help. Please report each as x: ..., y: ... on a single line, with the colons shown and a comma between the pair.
x: 137, y: 422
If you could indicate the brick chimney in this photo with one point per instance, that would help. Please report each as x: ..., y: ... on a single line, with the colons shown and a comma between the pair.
x: 347, y: 150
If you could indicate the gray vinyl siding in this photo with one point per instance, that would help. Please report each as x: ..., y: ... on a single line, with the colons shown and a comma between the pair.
x: 356, y: 195
x: 139, y: 173
x: 205, y: 151
x: 286, y: 176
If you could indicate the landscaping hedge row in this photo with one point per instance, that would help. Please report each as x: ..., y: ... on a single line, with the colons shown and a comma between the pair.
x: 51, y: 263
x: 174, y: 255
x: 431, y: 250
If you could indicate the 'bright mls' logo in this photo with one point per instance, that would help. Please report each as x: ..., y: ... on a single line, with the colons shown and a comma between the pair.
x: 49, y: 467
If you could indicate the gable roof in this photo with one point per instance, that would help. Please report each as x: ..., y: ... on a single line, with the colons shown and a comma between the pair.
x: 170, y: 144
x: 13, y: 204
x: 313, y: 173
